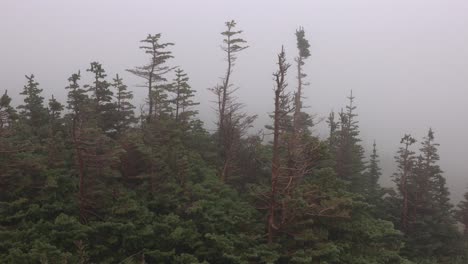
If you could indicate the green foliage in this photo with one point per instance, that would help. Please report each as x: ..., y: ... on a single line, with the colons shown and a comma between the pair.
x: 89, y: 184
x: 125, y: 115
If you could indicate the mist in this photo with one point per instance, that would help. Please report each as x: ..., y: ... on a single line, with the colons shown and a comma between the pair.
x: 405, y: 61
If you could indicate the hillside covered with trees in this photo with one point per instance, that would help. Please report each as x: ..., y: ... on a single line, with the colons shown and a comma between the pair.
x: 94, y: 180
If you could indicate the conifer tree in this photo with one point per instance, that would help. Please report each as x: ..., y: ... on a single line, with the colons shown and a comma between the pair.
x: 7, y: 113
x: 430, y: 176
x: 183, y: 97
x: 300, y: 121
x: 426, y: 179
x: 233, y: 44
x: 373, y: 191
x: 282, y: 108
x: 232, y: 122
x: 77, y: 97
x: 102, y: 96
x: 55, y: 109
x: 349, y: 154
x: 155, y: 194
x: 94, y: 151
x: 154, y: 72
x: 125, y: 115
x: 33, y: 110
x: 462, y: 214
x: 7, y: 146
x: 431, y: 228
x: 333, y: 126
x: 55, y: 144
x: 303, y: 45
x: 405, y: 160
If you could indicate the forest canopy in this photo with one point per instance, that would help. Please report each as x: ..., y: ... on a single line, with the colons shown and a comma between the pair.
x: 93, y: 179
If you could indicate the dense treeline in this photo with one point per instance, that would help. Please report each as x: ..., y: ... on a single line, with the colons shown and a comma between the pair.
x: 92, y: 180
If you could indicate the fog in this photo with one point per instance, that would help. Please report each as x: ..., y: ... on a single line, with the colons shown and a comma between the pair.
x: 406, y: 61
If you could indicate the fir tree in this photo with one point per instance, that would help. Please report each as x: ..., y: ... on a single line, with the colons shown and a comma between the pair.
x: 77, y: 97
x: 349, y: 154
x: 431, y: 228
x: 55, y: 109
x: 154, y: 72
x: 125, y: 114
x: 183, y: 97
x: 33, y: 110
x: 282, y: 101
x: 374, y: 168
x: 373, y: 191
x: 405, y: 160
x: 300, y: 118
x: 333, y: 126
x: 102, y: 96
x: 232, y: 122
x: 55, y: 143
x: 7, y: 113
x: 462, y: 213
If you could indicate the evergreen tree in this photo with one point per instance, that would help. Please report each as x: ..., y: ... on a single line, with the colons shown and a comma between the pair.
x: 278, y: 180
x: 70, y: 193
x: 102, y: 96
x: 33, y: 110
x: 333, y: 126
x: 461, y: 214
x: 349, y: 154
x: 55, y: 109
x: 405, y: 160
x: 55, y: 142
x: 431, y: 228
x: 372, y: 189
x: 154, y: 72
x: 232, y: 122
x: 7, y: 113
x: 301, y: 120
x: 77, y: 97
x: 125, y: 115
x: 183, y: 97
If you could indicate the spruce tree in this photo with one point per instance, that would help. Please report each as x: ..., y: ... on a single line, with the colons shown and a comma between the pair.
x: 232, y: 122
x: 154, y: 72
x: 124, y: 108
x: 77, y: 97
x: 277, y: 182
x: 431, y: 229
x: 33, y: 110
x: 300, y: 118
x: 332, y: 126
x: 405, y: 160
x: 7, y: 113
x: 349, y: 154
x: 55, y: 142
x: 233, y: 44
x: 102, y: 95
x: 55, y: 109
x: 183, y: 97
x: 461, y: 214
x: 373, y: 191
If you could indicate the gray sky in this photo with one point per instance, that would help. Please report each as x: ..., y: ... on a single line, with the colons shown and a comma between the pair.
x: 405, y: 60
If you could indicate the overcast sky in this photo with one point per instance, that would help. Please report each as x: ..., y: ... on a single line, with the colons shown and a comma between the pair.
x: 405, y: 60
